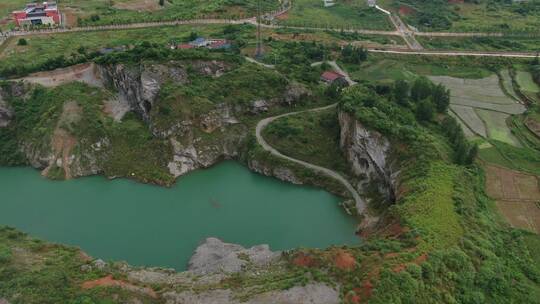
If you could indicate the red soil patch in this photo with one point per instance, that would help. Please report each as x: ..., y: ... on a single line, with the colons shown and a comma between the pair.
x: 360, y: 294
x: 303, y: 260
x: 406, y: 10
x: 419, y: 260
x: 391, y: 255
x: 108, y: 281
x: 344, y: 260
x: 283, y: 16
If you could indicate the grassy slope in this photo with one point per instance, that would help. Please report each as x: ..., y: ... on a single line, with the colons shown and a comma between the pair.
x: 473, y: 257
x: 312, y: 137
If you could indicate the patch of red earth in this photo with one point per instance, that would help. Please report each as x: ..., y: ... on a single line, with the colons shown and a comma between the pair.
x: 344, y: 260
x: 391, y: 255
x: 406, y: 10
x: 84, y: 256
x: 283, y: 16
x: 108, y: 281
x: 418, y: 261
x: 360, y: 294
x: 303, y: 260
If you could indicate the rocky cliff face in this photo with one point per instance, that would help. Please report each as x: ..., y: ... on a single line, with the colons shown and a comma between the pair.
x: 139, y: 85
x: 368, y: 152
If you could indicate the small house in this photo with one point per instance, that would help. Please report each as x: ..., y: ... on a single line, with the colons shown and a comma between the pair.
x: 199, y: 42
x: 331, y: 77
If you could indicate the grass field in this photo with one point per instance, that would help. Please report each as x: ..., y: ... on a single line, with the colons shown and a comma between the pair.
x: 481, y: 15
x: 481, y: 43
x: 312, y: 137
x: 389, y: 69
x: 43, y: 47
x: 345, y: 14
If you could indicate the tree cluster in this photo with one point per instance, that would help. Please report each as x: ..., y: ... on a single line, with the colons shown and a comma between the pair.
x: 423, y: 96
x: 353, y: 54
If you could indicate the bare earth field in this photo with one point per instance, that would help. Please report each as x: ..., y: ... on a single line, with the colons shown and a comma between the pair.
x: 517, y: 195
x: 83, y: 72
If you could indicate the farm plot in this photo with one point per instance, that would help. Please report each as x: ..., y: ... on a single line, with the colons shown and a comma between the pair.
x: 496, y: 126
x: 517, y: 196
x: 468, y: 116
x: 482, y: 105
x: 526, y: 82
x: 507, y: 84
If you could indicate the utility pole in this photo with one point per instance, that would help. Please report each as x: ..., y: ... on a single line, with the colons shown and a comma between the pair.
x: 259, y: 52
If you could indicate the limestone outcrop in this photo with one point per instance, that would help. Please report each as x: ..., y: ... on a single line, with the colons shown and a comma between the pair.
x: 369, y: 154
x: 214, y: 256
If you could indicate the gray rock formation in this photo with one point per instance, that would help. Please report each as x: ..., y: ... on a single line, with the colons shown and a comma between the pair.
x: 368, y: 152
x: 281, y: 173
x: 6, y: 114
x: 3, y: 301
x: 214, y: 256
x: 315, y: 293
x: 140, y: 84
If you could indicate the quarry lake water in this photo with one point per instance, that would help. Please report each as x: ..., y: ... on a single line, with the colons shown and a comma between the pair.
x: 154, y: 226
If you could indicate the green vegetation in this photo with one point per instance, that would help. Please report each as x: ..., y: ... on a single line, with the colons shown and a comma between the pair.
x: 52, y: 51
x: 75, y: 108
x: 311, y: 137
x: 470, y: 257
x: 345, y: 14
x: 473, y: 16
x: 517, y: 44
x: 99, y: 12
x: 387, y: 68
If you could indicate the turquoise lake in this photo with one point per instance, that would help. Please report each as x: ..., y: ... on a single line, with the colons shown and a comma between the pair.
x: 154, y: 226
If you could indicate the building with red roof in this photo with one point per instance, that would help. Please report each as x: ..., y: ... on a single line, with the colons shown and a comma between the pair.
x: 45, y: 13
x: 331, y: 77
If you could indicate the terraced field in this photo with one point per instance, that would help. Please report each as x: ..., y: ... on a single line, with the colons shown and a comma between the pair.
x: 482, y: 105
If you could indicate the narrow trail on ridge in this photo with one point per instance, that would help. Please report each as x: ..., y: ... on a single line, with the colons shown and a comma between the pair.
x: 262, y: 124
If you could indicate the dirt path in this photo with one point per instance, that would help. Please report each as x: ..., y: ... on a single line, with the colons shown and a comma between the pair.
x: 359, y: 202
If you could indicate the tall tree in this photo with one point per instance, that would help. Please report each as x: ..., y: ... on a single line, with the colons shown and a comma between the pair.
x: 441, y: 98
x: 421, y: 89
x: 401, y: 92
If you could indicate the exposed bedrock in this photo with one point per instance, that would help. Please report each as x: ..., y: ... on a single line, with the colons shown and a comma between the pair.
x: 369, y: 154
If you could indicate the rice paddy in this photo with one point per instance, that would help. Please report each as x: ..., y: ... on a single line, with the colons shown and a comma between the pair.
x: 483, y: 106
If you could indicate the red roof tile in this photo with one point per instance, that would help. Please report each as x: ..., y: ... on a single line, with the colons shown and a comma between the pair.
x: 331, y: 75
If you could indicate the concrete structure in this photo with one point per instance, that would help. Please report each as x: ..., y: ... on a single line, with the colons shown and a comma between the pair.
x: 45, y: 13
x: 213, y: 44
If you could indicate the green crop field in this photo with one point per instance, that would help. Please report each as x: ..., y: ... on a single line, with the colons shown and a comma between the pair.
x: 345, y: 14
x: 469, y: 116
x: 507, y: 85
x: 526, y: 82
x: 496, y: 126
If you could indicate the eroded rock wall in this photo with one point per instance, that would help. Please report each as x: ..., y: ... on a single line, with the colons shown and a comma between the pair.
x: 369, y: 154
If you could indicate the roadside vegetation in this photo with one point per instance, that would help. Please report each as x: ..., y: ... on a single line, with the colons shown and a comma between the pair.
x: 469, y: 16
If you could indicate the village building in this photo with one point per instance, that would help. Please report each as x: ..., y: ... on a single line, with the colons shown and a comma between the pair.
x: 45, y: 13
x: 331, y: 77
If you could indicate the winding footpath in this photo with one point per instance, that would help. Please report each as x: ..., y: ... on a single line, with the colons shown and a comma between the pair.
x: 261, y: 125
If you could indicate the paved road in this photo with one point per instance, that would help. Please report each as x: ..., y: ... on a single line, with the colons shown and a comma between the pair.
x: 457, y: 53
x: 359, y: 202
